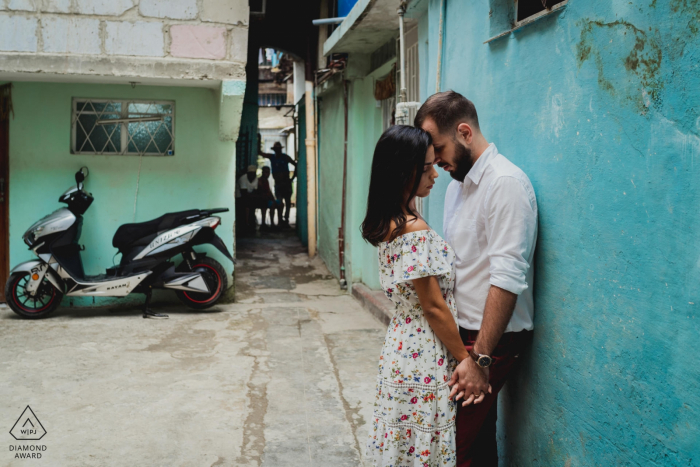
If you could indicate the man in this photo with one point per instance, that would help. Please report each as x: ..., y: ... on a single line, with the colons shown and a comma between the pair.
x: 490, y: 219
x: 280, y: 173
x: 246, y: 196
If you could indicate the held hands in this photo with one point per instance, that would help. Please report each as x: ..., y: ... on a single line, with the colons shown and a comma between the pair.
x: 469, y: 383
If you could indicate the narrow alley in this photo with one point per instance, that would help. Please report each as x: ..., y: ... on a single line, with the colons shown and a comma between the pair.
x: 285, y: 376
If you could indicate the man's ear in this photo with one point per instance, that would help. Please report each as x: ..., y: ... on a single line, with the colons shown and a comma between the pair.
x: 465, y: 133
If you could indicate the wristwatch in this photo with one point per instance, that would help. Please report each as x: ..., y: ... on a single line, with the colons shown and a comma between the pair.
x: 484, y: 361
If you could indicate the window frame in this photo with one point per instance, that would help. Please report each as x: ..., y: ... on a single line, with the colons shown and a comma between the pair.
x: 516, y: 25
x: 124, y: 121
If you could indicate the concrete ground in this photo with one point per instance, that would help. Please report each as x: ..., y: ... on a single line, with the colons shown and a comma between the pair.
x: 283, y: 377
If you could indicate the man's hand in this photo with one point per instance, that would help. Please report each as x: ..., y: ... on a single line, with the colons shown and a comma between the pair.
x: 469, y: 382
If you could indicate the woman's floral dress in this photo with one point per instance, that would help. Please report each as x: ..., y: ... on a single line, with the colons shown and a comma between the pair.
x: 414, y: 421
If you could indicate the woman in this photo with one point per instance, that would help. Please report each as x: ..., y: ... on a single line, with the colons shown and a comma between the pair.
x: 414, y: 420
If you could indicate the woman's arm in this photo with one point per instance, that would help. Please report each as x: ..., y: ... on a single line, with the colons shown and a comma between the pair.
x: 438, y: 315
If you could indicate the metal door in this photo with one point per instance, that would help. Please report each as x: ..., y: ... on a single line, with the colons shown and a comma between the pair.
x: 5, y: 111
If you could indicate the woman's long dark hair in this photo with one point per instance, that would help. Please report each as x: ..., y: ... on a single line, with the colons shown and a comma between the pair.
x: 398, y: 162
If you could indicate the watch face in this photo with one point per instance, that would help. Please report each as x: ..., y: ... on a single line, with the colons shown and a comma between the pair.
x: 484, y: 361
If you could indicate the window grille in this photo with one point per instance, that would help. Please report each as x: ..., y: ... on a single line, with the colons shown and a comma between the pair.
x: 123, y: 127
x: 272, y: 99
x: 412, y: 71
x: 383, y: 54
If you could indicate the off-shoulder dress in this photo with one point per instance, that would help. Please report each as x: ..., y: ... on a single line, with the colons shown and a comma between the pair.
x: 414, y: 421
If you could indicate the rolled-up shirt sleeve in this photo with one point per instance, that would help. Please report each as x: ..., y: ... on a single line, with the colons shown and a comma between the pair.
x: 511, y: 230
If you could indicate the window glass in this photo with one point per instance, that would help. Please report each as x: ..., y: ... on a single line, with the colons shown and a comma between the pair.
x: 139, y: 128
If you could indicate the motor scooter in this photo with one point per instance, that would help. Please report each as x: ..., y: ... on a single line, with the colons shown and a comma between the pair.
x: 35, y: 288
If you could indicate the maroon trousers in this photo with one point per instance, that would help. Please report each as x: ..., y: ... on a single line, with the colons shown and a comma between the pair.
x: 476, y: 424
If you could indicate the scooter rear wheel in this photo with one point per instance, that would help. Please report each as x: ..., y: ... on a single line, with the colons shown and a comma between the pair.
x: 214, y: 275
x: 46, y: 300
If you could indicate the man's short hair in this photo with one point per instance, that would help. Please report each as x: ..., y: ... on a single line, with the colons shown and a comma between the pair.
x: 447, y: 109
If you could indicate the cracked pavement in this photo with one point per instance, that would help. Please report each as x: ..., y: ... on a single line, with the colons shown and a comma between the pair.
x: 283, y: 377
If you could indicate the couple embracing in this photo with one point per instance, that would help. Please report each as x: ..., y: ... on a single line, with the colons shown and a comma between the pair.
x: 464, y: 306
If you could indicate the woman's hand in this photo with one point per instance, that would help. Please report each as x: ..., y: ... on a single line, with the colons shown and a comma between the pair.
x: 469, y: 382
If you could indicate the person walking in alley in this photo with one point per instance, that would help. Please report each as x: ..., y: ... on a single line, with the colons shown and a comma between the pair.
x: 490, y: 220
x: 414, y: 419
x: 267, y: 199
x: 283, y: 184
x: 246, y: 196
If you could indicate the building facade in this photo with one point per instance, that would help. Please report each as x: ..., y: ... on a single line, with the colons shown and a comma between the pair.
x: 172, y: 71
x: 598, y: 103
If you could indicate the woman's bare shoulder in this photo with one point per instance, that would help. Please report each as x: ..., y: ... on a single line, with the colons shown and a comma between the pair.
x: 413, y: 224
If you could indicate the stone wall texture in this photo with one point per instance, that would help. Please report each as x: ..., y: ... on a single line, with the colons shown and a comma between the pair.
x: 55, y: 32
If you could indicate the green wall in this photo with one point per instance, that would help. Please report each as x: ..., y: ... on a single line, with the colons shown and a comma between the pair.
x: 364, y: 129
x: 330, y: 166
x: 200, y: 175
x: 302, y: 205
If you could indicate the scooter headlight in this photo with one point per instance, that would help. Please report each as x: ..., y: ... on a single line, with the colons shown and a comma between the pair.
x: 29, y: 239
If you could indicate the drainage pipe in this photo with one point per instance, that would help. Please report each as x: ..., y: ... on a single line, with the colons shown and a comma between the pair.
x: 310, y: 168
x: 402, y: 92
x: 321, y: 22
x: 440, y: 38
x: 341, y: 230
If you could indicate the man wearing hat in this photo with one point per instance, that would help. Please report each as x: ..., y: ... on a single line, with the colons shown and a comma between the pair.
x: 280, y: 173
x: 246, y: 196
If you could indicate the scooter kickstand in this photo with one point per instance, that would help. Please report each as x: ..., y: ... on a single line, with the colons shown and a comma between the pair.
x: 147, y: 313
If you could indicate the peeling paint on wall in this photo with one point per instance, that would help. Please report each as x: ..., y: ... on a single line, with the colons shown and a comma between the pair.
x: 639, y: 84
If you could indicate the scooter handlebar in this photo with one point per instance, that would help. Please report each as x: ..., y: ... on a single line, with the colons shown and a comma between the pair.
x: 208, y: 212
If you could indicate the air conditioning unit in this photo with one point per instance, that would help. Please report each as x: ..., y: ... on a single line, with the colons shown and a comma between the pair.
x: 257, y: 7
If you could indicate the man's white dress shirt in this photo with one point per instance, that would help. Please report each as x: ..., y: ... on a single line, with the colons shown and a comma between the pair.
x: 491, y: 223
x: 245, y: 184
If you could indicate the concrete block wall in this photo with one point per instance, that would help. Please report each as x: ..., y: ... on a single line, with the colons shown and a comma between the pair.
x: 206, y: 38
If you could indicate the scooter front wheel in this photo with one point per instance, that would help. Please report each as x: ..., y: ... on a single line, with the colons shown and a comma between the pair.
x: 45, y: 301
x: 214, y: 275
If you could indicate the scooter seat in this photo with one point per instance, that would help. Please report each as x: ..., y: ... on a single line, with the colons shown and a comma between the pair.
x: 127, y: 234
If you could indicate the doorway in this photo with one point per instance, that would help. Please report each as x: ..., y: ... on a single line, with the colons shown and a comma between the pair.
x: 5, y: 111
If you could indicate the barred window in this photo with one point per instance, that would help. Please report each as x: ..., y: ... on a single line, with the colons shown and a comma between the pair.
x: 123, y: 127
x: 272, y: 100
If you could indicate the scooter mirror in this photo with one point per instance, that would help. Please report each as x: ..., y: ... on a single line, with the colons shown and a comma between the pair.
x: 80, y: 176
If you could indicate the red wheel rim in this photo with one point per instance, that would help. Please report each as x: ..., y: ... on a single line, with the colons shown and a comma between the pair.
x: 218, y: 284
x: 31, y: 310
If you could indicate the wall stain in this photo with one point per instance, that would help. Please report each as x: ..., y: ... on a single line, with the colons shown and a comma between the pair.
x: 688, y: 9
x: 639, y: 84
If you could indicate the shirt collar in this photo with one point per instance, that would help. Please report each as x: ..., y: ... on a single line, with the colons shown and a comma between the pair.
x: 481, y: 163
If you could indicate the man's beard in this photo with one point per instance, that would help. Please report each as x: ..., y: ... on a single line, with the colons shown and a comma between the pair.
x: 462, y: 162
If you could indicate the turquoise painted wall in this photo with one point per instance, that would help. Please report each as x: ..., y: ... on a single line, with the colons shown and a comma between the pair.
x: 200, y: 175
x: 599, y: 105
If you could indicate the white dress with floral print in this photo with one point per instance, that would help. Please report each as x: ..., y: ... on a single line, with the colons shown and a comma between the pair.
x: 414, y: 421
